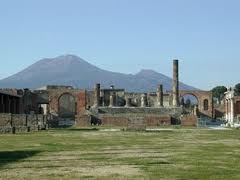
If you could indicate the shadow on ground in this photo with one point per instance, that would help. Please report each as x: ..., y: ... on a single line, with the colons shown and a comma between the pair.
x: 83, y: 129
x: 7, y: 157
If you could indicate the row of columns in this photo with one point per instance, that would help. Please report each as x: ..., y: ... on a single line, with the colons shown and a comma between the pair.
x: 9, y: 104
x: 97, y: 91
x: 175, y: 92
x: 113, y: 98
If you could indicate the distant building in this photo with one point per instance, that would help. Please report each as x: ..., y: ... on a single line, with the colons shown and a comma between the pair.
x: 232, y: 107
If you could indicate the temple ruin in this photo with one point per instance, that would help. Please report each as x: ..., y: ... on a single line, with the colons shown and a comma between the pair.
x: 64, y: 105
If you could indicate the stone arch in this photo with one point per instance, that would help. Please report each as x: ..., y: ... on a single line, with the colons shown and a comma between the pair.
x: 188, y: 93
x: 205, y: 101
x: 194, y: 103
x: 67, y: 105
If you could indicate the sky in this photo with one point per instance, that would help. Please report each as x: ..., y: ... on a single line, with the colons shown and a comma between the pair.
x: 126, y: 36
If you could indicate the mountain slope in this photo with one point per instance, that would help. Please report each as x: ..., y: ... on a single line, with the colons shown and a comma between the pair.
x: 74, y: 71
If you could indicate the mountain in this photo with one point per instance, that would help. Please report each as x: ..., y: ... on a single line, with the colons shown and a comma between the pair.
x: 74, y: 71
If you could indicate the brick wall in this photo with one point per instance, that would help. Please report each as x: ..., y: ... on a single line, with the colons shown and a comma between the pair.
x: 158, y: 120
x: 80, y: 96
x: 201, y: 96
x: 237, y: 107
x: 122, y: 120
x: 114, y: 121
x: 83, y: 120
x: 189, y: 120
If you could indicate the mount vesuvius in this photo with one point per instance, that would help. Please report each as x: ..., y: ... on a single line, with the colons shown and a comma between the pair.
x: 74, y: 71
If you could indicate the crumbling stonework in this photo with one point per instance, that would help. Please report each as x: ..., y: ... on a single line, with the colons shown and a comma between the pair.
x: 205, y: 101
x: 66, y: 106
x: 189, y: 120
x: 17, y: 123
x: 55, y: 94
x: 232, y: 107
x: 175, y: 86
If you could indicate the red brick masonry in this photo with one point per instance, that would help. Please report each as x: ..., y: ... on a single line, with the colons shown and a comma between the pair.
x: 189, y: 120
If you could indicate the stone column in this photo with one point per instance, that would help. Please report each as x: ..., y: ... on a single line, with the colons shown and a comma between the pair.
x: 160, y: 95
x: 175, y: 85
x: 195, y: 110
x: 102, y: 97
x: 112, y: 99
x: 128, y: 102
x: 232, y: 111
x: 97, y: 95
x: 226, y: 109
x: 143, y: 100
x: 229, y: 110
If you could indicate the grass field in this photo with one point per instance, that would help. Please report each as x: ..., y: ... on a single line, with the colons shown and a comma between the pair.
x: 91, y: 154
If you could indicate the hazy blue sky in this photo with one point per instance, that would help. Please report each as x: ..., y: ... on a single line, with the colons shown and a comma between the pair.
x: 126, y: 36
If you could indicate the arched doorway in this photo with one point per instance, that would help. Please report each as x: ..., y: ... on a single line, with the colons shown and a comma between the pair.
x: 189, y: 102
x: 205, y: 101
x: 67, y: 106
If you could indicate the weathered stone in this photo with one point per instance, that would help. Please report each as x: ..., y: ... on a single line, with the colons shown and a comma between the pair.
x: 160, y: 95
x: 112, y: 100
x: 128, y: 102
x: 136, y: 123
x: 143, y: 100
x: 175, y: 85
x: 204, y: 98
x: 97, y: 95
x: 189, y: 120
x: 65, y: 105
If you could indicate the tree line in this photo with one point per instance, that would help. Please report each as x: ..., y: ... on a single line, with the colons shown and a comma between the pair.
x: 218, y: 92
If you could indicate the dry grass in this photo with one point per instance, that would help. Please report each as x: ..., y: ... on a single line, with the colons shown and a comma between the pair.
x: 80, y: 154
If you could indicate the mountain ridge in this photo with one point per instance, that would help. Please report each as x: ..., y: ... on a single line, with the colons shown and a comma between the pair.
x: 72, y: 70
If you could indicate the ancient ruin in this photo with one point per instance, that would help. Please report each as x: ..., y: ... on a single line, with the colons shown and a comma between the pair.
x: 66, y: 106
x: 232, y: 107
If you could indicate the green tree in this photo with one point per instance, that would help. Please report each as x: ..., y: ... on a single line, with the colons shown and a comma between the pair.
x: 218, y: 92
x: 237, y: 89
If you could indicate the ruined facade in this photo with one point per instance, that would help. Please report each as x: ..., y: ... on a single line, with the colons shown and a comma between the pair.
x: 10, y: 102
x: 232, y: 107
x: 68, y: 106
x: 205, y: 101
